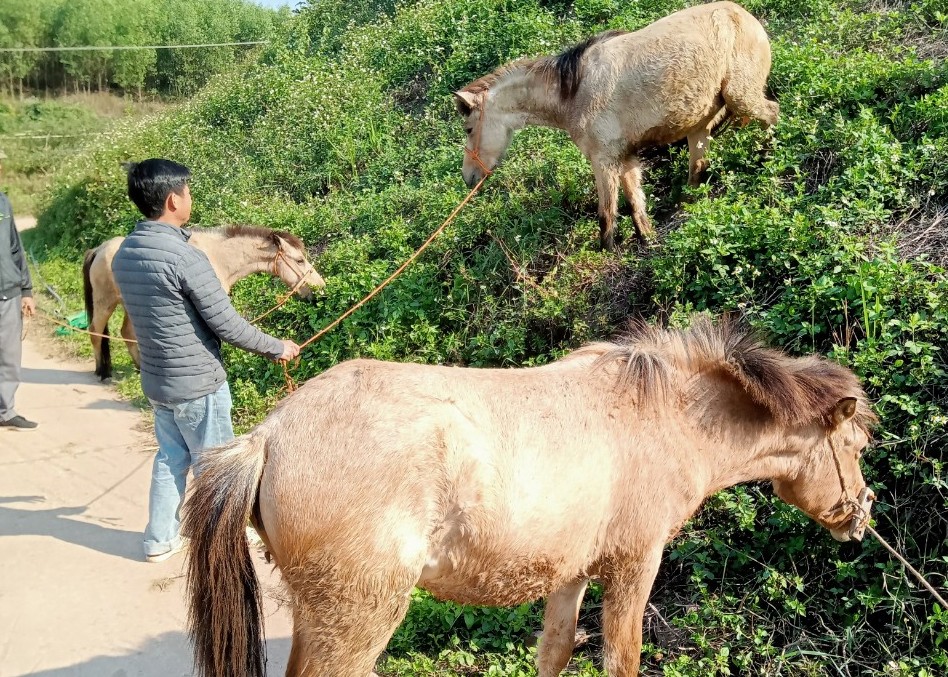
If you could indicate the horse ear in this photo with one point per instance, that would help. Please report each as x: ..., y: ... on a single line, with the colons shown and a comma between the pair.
x: 466, y: 102
x: 844, y: 410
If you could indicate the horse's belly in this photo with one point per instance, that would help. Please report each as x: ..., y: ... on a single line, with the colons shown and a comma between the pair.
x: 496, y: 581
x: 513, y: 558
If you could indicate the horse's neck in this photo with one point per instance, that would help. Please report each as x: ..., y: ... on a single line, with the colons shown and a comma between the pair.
x: 746, y: 461
x: 744, y: 451
x: 525, y: 91
x: 234, y: 258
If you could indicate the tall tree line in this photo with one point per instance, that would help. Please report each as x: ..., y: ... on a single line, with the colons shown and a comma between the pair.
x: 70, y: 23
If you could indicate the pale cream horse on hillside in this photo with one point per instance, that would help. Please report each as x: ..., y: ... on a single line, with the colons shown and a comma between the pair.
x: 234, y: 252
x: 502, y: 486
x: 617, y: 93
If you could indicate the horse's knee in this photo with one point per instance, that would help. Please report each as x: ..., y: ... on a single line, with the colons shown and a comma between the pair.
x: 136, y: 355
x: 643, y: 225
x: 697, y: 169
x: 554, y: 654
x: 559, y: 629
x: 770, y: 114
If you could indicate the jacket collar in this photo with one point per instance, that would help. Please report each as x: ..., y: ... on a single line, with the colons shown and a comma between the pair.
x: 159, y: 227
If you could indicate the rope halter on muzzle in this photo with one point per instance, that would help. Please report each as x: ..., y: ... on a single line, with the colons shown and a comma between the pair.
x: 860, y: 506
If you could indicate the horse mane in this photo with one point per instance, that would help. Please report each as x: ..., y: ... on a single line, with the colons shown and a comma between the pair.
x: 566, y: 67
x: 485, y: 82
x: 263, y: 233
x: 793, y: 390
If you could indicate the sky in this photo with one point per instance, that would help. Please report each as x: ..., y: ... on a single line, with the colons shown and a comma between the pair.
x: 276, y: 3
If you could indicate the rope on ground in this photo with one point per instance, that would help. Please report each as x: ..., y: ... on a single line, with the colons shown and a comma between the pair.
x: 81, y: 331
x: 290, y: 383
x: 921, y: 579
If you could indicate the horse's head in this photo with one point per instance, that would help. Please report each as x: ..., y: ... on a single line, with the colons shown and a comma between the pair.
x: 489, y: 132
x: 291, y: 265
x: 827, y: 483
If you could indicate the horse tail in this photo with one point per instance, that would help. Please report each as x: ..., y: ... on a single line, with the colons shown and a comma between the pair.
x: 103, y: 358
x: 225, y: 605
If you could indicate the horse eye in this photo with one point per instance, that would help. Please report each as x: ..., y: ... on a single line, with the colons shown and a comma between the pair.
x: 301, y: 261
x: 468, y: 130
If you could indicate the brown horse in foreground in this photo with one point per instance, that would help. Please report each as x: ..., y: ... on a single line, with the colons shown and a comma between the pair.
x: 234, y: 253
x: 618, y: 93
x: 501, y: 486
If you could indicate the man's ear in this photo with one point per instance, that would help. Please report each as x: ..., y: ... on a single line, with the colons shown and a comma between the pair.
x: 844, y: 410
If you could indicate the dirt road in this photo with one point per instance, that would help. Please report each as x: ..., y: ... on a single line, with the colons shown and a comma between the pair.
x: 76, y: 597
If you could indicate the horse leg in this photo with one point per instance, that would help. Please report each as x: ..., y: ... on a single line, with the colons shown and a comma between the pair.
x: 631, y: 178
x: 559, y: 628
x: 97, y: 349
x: 346, y: 607
x: 298, y: 664
x: 608, y: 188
x: 626, y: 594
x: 128, y: 333
x: 99, y: 323
x: 329, y: 642
x: 698, y: 145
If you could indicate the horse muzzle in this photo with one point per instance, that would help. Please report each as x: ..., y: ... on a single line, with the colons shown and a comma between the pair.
x: 859, y: 520
x: 471, y: 177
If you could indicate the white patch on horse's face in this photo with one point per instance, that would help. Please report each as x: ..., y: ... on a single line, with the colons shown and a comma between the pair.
x: 817, y: 491
x: 488, y: 138
x: 296, y: 266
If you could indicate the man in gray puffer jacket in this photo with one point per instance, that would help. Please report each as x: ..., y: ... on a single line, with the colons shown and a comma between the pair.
x: 16, y: 301
x: 180, y: 314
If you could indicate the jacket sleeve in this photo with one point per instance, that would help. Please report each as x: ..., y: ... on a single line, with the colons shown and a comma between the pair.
x: 19, y: 259
x: 200, y: 284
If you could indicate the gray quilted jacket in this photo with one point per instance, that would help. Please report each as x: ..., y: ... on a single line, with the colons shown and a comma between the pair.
x: 180, y: 314
x: 14, y: 273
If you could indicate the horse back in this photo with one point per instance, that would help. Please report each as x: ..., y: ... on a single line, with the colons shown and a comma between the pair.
x: 663, y: 80
x: 448, y: 472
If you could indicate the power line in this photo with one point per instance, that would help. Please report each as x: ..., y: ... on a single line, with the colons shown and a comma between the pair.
x: 94, y: 48
x: 17, y: 137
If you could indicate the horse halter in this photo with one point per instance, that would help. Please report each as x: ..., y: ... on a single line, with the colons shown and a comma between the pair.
x: 861, y: 505
x: 275, y: 269
x: 475, y: 155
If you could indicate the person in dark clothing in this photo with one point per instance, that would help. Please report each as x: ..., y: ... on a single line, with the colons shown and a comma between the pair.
x: 16, y: 301
x: 180, y: 314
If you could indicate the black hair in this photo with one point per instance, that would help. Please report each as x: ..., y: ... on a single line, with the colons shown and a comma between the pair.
x: 150, y: 182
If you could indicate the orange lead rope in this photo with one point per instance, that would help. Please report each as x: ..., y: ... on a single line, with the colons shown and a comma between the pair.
x: 290, y: 383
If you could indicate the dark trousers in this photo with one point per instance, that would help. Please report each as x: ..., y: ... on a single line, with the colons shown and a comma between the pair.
x: 11, y: 352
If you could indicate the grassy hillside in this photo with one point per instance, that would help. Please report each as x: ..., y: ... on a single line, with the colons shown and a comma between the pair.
x: 38, y: 135
x: 828, y: 233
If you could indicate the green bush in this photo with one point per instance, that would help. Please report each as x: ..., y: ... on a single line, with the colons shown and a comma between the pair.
x: 344, y: 133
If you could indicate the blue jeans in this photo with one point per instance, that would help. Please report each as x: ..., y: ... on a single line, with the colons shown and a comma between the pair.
x: 183, y: 430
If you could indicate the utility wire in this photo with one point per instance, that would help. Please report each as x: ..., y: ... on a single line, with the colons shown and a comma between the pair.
x: 103, y: 48
x: 17, y: 137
